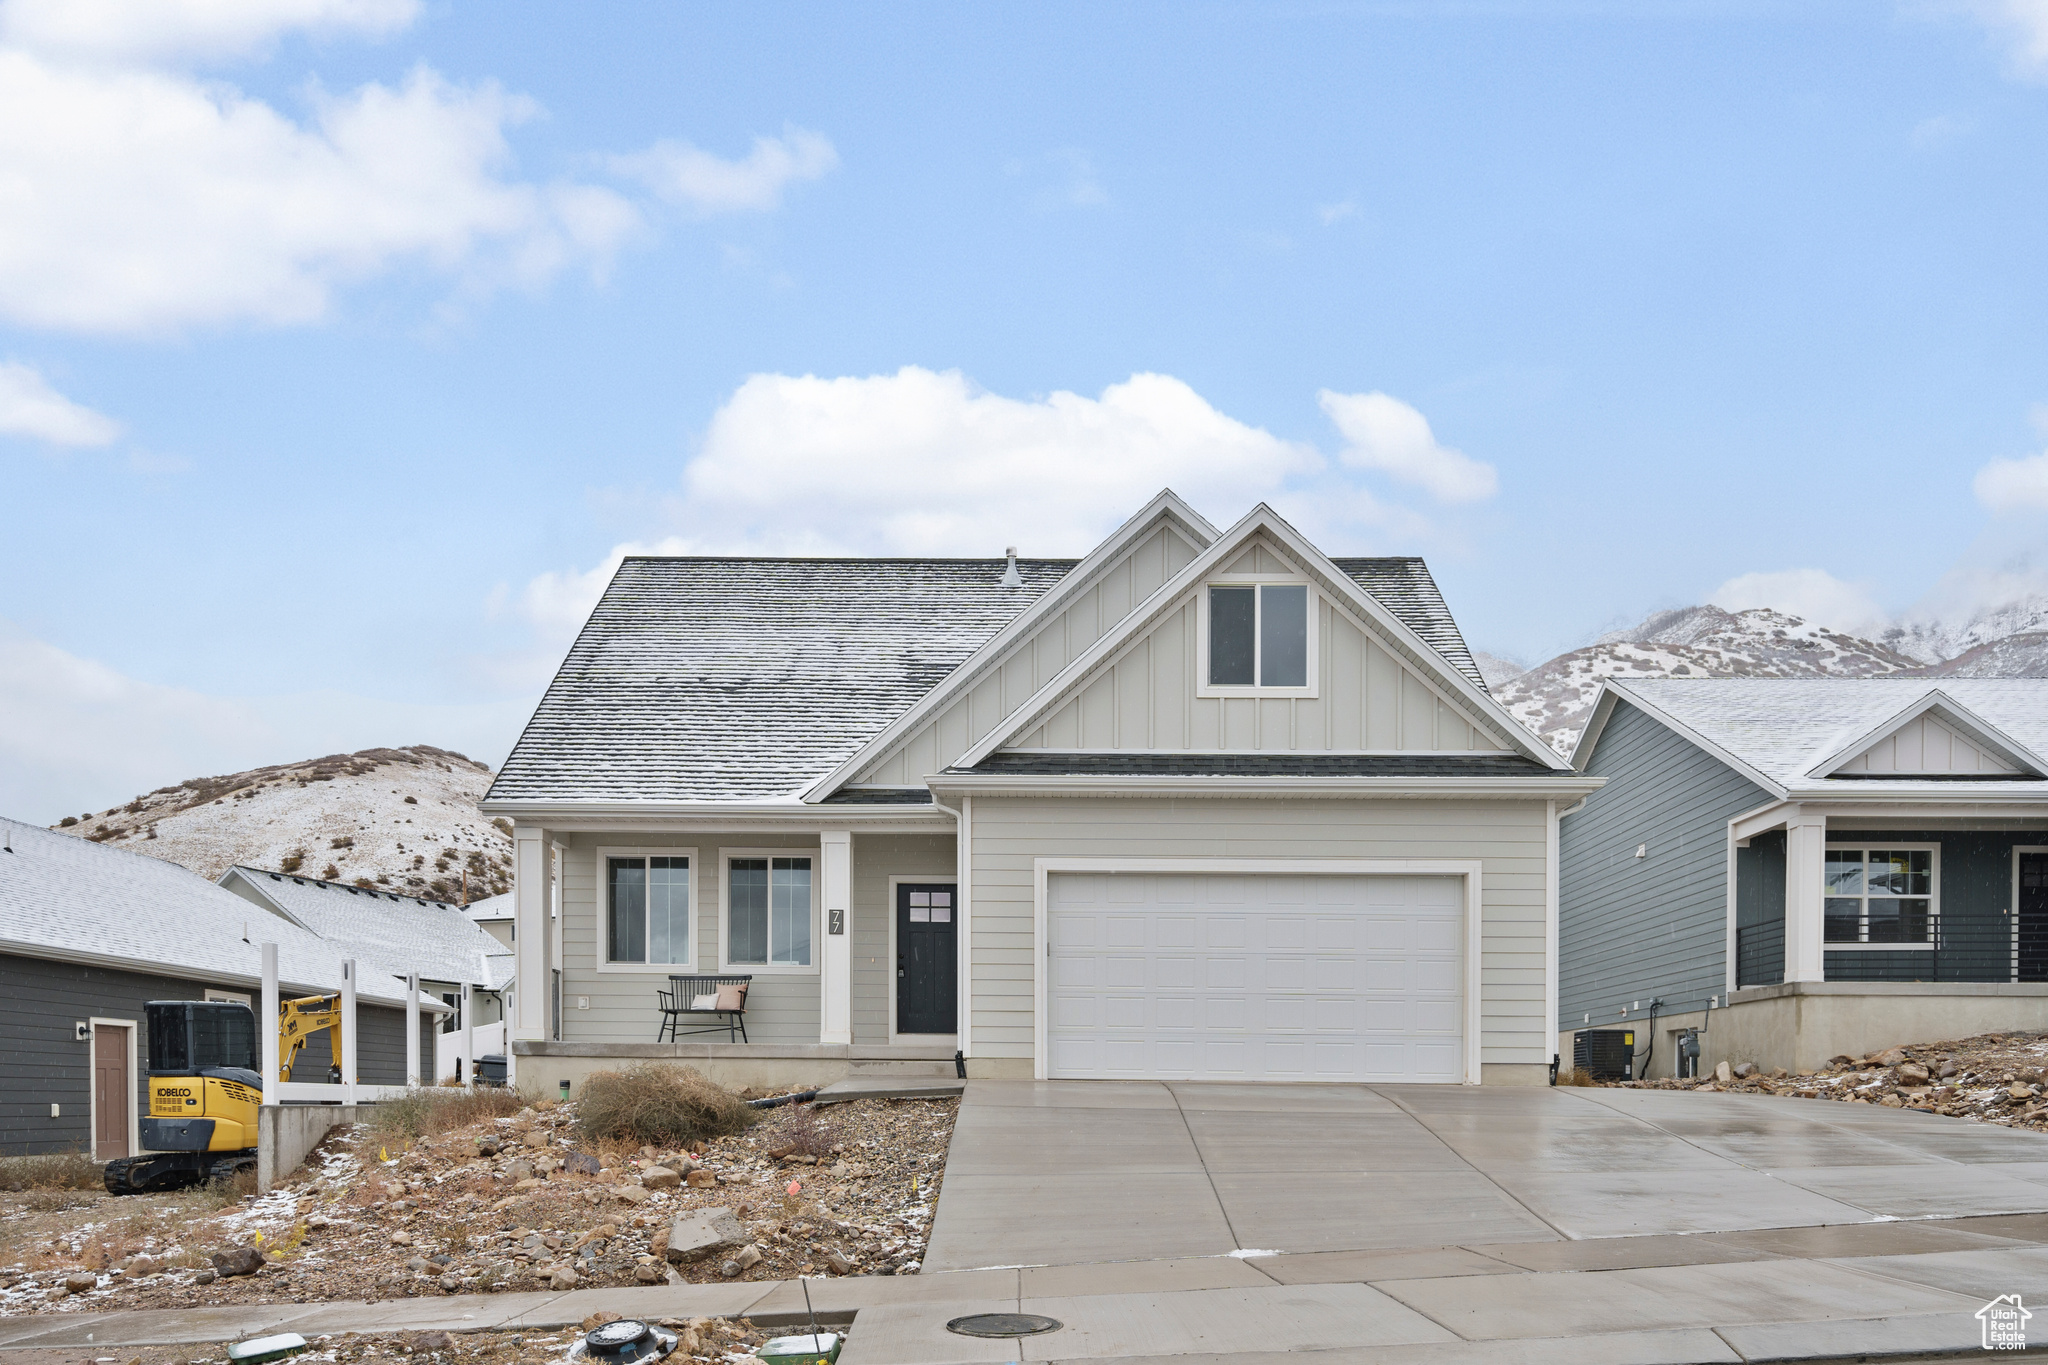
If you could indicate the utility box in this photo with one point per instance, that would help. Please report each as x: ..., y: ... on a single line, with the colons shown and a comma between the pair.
x: 1688, y: 1053
x: 1605, y: 1054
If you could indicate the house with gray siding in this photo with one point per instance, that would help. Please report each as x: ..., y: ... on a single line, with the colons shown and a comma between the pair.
x: 1800, y: 868
x: 1204, y: 803
x: 89, y: 934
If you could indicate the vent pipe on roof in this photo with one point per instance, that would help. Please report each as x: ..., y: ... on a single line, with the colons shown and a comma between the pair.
x: 1011, y: 578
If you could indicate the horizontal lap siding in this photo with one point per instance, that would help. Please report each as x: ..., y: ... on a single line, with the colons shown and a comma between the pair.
x: 877, y: 858
x: 1630, y: 928
x: 48, y: 1065
x: 1506, y: 837
x: 781, y: 1007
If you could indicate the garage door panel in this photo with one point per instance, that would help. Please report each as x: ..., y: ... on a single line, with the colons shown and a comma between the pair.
x: 1277, y: 978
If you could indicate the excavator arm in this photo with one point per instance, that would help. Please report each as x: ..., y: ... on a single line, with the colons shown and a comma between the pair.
x: 297, y: 1021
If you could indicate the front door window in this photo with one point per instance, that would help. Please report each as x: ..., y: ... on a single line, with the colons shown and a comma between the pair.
x: 927, y: 958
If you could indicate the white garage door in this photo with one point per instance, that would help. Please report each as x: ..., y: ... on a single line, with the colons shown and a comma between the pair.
x: 1282, y: 978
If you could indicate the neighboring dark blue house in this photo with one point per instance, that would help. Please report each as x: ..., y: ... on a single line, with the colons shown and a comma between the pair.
x: 1807, y: 866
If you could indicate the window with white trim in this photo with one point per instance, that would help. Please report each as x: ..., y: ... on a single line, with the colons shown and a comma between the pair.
x: 768, y: 914
x: 647, y: 910
x: 1881, y: 897
x: 1259, y: 635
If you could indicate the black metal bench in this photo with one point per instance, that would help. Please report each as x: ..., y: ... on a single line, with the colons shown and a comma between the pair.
x: 681, y: 998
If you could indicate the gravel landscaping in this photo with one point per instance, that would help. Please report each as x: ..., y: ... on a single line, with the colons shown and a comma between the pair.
x: 514, y: 1203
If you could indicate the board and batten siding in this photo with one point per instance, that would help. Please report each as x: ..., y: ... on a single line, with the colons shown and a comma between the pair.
x: 48, y: 1065
x: 1629, y: 928
x: 1145, y: 698
x: 1506, y: 837
x: 1035, y: 660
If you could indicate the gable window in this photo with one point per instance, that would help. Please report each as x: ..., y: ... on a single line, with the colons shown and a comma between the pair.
x: 768, y: 918
x: 1881, y: 897
x: 1258, y: 635
x: 647, y: 909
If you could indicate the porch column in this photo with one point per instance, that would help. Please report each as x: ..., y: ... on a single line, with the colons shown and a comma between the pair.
x: 465, y: 1070
x: 412, y: 1028
x: 835, y: 955
x: 1806, y: 839
x: 348, y: 1032
x: 533, y: 939
x: 266, y: 1026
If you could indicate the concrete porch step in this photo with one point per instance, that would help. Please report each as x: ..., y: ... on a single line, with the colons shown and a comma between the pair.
x: 873, y: 1087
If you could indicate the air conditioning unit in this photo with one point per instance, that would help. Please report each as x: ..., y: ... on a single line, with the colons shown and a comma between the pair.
x: 1605, y: 1054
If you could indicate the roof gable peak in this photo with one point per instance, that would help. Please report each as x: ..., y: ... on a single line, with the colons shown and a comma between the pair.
x: 1934, y: 736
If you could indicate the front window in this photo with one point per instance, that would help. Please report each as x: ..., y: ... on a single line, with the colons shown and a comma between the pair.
x: 647, y: 910
x: 770, y: 917
x: 1258, y: 635
x: 1880, y: 896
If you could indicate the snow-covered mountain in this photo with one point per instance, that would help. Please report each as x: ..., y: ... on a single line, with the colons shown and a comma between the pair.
x: 402, y: 819
x: 1554, y: 698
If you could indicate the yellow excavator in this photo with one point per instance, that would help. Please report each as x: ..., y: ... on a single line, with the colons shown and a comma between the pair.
x: 204, y: 1087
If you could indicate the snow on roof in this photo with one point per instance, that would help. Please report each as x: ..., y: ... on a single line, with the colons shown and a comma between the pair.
x: 386, y: 931
x: 489, y: 908
x: 748, y: 679
x: 80, y: 901
x: 1783, y: 727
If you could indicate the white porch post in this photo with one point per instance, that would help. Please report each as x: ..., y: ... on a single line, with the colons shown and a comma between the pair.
x: 835, y: 953
x: 465, y: 1070
x: 266, y: 1026
x: 412, y: 1028
x: 532, y: 932
x: 348, y: 1031
x: 1806, y: 838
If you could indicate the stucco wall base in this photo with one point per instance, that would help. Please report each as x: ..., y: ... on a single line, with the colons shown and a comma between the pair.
x: 999, y: 1068
x: 1801, y: 1024
x: 1514, y: 1073
x: 778, y: 1067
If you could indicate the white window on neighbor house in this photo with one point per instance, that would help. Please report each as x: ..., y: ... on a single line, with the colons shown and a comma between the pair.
x: 1257, y: 638
x: 768, y: 912
x: 1882, y: 896
x: 647, y: 909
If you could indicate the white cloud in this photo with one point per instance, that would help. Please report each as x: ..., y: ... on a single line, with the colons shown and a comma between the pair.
x: 30, y: 407
x: 1387, y: 435
x: 1331, y: 214
x: 706, y: 184
x: 81, y: 735
x: 2014, y: 485
x: 1810, y: 594
x: 919, y: 462
x: 138, y: 201
x: 133, y: 30
x: 2023, y: 24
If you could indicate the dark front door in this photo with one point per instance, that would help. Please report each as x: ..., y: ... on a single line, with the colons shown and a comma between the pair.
x: 2032, y: 914
x: 927, y: 958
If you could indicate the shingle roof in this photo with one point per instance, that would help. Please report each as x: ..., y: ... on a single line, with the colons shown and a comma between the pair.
x: 748, y: 679
x: 1027, y: 763
x: 1782, y: 727
x: 1403, y: 585
x: 389, y: 932
x: 79, y: 900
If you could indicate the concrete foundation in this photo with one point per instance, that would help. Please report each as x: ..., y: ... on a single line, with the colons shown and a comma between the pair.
x: 764, y: 1066
x: 286, y: 1132
x: 1801, y: 1024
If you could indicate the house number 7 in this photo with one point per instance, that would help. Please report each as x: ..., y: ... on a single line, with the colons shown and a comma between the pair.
x: 835, y: 922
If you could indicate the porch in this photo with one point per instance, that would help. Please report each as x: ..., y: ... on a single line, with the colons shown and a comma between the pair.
x: 1925, y: 897
x: 846, y: 923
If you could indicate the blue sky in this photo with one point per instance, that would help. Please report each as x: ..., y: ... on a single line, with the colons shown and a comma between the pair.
x: 344, y: 343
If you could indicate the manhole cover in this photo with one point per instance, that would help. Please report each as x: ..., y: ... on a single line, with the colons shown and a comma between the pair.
x: 1003, y: 1325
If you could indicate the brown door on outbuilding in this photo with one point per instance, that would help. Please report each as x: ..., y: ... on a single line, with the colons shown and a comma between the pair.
x: 113, y: 1091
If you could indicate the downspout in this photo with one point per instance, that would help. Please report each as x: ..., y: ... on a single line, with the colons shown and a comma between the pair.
x: 963, y: 910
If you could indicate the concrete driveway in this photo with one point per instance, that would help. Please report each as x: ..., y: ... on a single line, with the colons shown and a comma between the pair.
x: 1451, y: 1226
x: 1066, y: 1173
